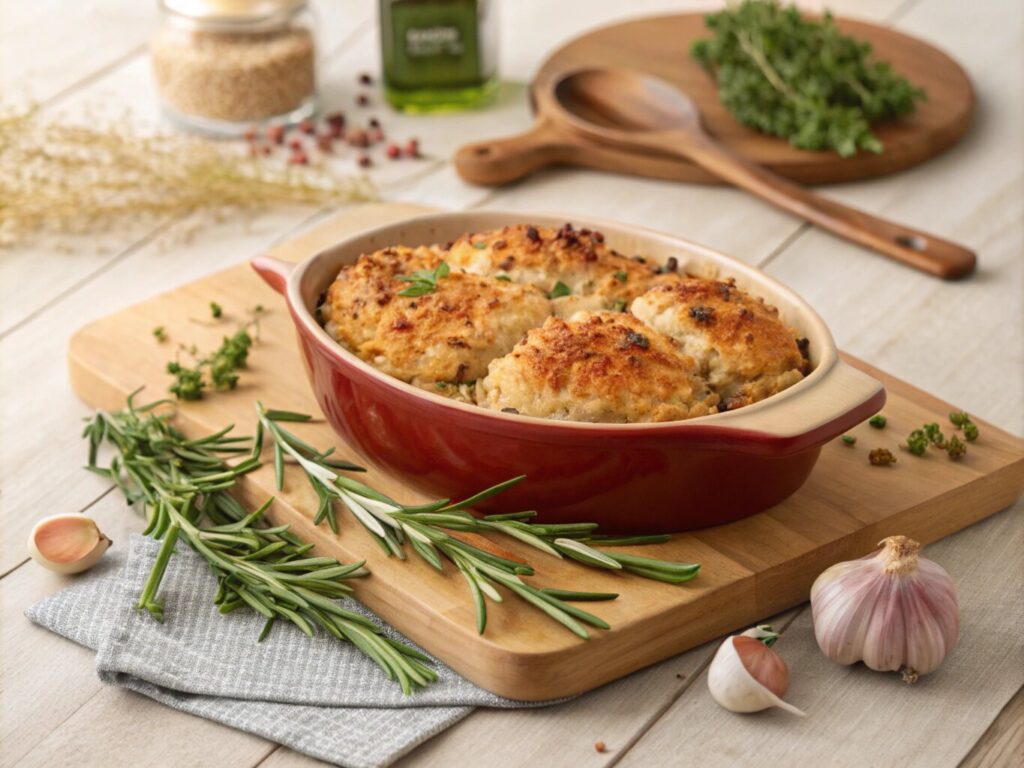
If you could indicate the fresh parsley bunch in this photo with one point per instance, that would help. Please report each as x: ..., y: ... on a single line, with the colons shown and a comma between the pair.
x: 801, y: 79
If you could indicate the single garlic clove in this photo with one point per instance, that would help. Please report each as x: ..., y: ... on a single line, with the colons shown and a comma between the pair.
x: 67, y: 543
x: 745, y: 678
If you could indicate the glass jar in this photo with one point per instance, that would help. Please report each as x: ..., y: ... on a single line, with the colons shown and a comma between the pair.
x: 221, y: 66
x: 439, y: 54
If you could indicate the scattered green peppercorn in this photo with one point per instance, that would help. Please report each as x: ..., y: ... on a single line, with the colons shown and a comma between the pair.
x: 801, y: 78
x: 215, y: 309
x: 917, y: 443
x: 961, y: 420
x: 849, y: 440
x: 160, y: 334
x: 956, y: 448
x: 878, y: 421
x: 934, y: 435
x: 880, y: 457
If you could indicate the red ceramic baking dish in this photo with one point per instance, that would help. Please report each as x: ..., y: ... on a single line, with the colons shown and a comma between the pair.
x: 627, y: 477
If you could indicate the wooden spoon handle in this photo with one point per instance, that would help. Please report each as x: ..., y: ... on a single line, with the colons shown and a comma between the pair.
x: 500, y: 161
x: 910, y: 246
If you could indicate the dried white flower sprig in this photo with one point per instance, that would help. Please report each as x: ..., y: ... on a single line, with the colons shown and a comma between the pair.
x: 67, y: 177
x: 893, y: 610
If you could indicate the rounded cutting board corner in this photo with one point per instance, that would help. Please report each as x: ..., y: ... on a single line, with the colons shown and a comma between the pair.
x: 661, y: 46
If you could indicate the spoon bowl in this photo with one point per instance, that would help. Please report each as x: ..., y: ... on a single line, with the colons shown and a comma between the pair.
x: 637, y: 111
x: 622, y: 100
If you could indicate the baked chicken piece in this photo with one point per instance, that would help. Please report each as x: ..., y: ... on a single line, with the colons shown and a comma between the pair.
x: 742, y: 347
x: 573, y: 266
x: 600, y: 367
x: 445, y: 336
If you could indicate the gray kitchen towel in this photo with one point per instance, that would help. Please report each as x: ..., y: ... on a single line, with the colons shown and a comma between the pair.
x: 315, y: 695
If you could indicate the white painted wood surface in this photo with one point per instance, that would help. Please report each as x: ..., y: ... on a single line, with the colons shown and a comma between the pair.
x: 961, y: 341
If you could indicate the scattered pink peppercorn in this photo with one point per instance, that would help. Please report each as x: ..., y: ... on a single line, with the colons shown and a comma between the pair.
x: 275, y: 133
x: 365, y: 161
x: 365, y: 79
x: 325, y: 142
x: 363, y: 100
x: 295, y: 143
x: 336, y: 119
x: 376, y: 135
x: 298, y: 158
x: 250, y: 133
x: 393, y: 151
x: 307, y: 127
x: 358, y: 138
x: 412, y: 148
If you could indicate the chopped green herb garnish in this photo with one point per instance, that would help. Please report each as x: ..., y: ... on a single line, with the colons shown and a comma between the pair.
x: 160, y: 333
x: 619, y: 305
x: 480, y: 245
x: 215, y: 309
x: 878, y: 421
x: 801, y: 78
x: 621, y: 276
x: 971, y: 432
x: 221, y: 365
x: 423, y: 281
x: 188, y: 383
x: 849, y: 440
x: 504, y: 278
x: 560, y: 289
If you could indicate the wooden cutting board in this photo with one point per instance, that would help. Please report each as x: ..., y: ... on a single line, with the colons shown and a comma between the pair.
x: 660, y: 46
x: 750, y: 569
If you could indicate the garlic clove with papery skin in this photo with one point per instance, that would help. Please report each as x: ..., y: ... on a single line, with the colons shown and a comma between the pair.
x: 893, y: 610
x: 747, y: 675
x: 67, y: 543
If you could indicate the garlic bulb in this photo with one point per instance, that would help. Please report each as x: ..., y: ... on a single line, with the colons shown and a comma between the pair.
x: 892, y: 610
x: 67, y: 543
x: 746, y: 675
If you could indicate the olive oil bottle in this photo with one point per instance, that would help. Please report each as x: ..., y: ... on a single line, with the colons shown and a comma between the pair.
x: 438, y: 55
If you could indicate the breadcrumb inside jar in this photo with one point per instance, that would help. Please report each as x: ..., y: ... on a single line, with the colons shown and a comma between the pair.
x: 222, y: 65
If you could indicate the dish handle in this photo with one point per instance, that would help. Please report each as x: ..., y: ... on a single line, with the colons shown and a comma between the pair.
x: 273, y: 271
x: 841, y: 399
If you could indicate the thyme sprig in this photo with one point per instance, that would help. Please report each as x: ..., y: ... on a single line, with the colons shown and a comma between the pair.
x: 184, y: 485
x: 423, y: 281
x: 426, y: 529
x: 801, y: 78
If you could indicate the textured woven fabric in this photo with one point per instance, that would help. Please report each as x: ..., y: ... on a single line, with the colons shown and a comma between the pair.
x: 318, y: 696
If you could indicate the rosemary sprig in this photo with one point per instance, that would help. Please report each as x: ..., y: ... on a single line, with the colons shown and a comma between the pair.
x: 183, y: 484
x: 426, y: 529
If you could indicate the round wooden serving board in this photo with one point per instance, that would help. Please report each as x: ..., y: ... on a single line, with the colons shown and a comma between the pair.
x: 661, y: 45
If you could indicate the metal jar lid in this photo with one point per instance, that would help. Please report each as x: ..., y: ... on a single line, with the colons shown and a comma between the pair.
x: 232, y: 14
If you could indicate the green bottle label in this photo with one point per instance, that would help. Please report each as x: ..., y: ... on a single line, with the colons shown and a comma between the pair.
x: 433, y: 45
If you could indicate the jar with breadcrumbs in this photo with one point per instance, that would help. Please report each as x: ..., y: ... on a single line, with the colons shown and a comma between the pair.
x: 221, y: 66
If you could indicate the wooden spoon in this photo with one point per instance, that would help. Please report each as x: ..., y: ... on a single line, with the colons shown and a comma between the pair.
x: 633, y: 110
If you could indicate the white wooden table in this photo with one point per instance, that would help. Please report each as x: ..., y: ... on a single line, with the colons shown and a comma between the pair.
x: 961, y: 341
